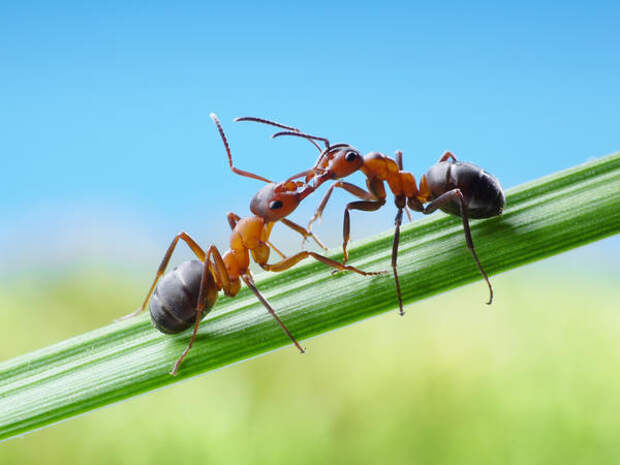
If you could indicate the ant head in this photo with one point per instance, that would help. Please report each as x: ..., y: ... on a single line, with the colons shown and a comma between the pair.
x: 339, y: 161
x: 276, y: 201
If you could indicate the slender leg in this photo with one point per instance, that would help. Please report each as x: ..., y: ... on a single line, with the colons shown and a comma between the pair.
x: 247, y: 278
x: 351, y: 188
x: 213, y: 266
x: 447, y: 155
x: 319, y: 211
x: 364, y: 205
x: 164, y: 263
x: 455, y: 195
x: 276, y: 250
x: 175, y: 368
x: 222, y: 278
x: 408, y: 214
x: 399, y: 159
x: 233, y: 219
x: 306, y: 233
x: 247, y: 174
x: 397, y: 222
x: 294, y: 259
x: 376, y: 189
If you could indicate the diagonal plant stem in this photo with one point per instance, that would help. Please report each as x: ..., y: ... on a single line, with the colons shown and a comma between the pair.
x: 542, y: 218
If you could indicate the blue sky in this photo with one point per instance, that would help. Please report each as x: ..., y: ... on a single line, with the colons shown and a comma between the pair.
x: 107, y: 146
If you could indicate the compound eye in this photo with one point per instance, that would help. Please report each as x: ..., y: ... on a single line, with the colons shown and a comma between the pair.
x: 351, y: 156
x: 275, y: 204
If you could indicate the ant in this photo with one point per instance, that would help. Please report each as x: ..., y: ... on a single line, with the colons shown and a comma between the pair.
x: 187, y: 293
x: 458, y: 188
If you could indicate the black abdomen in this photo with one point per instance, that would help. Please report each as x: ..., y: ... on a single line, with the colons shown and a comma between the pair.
x: 481, y: 190
x: 174, y: 302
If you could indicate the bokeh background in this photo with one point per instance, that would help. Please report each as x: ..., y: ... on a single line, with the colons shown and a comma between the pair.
x: 107, y: 151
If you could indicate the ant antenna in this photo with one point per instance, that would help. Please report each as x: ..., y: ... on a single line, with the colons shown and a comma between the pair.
x: 230, y: 162
x: 266, y: 121
x: 274, y: 123
x: 301, y: 134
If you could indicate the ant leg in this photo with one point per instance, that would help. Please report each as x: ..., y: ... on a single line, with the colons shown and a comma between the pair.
x: 214, y: 277
x: 294, y: 259
x: 306, y: 233
x: 247, y: 174
x: 364, y: 205
x: 455, y: 195
x: 351, y: 188
x: 164, y: 263
x: 376, y: 189
x: 369, y: 202
x: 447, y: 155
x: 247, y: 278
x: 397, y: 222
x: 399, y: 159
x: 408, y: 214
x: 275, y: 249
x: 321, y: 207
x: 208, y: 284
x: 233, y: 219
x: 222, y: 278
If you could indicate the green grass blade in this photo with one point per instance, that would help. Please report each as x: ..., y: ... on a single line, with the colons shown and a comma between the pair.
x: 542, y: 218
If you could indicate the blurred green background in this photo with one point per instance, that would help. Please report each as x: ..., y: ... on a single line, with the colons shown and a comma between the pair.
x: 108, y: 151
x: 533, y: 379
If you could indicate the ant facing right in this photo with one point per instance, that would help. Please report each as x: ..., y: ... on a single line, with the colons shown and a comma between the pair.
x: 455, y: 187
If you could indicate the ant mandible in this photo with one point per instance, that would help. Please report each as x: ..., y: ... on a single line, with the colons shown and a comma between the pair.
x: 177, y: 306
x: 458, y: 188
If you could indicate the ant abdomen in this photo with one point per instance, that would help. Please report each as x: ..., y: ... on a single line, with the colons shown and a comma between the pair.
x: 174, y: 302
x: 482, y: 192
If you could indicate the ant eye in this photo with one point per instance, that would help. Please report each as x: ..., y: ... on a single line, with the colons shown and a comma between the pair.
x: 351, y: 156
x: 275, y: 204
